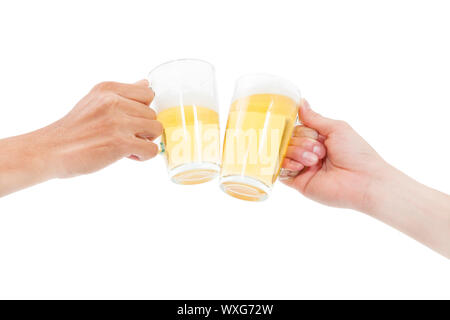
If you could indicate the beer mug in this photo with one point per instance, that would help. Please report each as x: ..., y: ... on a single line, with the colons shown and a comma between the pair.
x: 186, y: 105
x: 261, y: 120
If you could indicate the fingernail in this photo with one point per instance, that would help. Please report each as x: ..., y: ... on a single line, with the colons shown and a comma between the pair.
x: 309, y: 156
x: 316, y: 150
x: 285, y: 173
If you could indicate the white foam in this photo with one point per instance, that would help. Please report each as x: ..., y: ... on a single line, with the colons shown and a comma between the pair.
x: 262, y: 83
x: 164, y: 100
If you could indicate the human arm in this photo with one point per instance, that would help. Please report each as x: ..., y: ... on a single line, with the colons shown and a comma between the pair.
x: 345, y: 171
x: 111, y: 122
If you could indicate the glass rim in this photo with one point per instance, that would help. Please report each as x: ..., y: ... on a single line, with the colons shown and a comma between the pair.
x: 269, y: 75
x: 181, y: 60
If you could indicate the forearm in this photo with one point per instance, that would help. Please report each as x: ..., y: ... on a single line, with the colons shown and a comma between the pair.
x: 418, y: 211
x: 24, y: 161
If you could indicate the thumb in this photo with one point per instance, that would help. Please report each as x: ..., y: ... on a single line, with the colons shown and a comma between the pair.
x: 143, y: 82
x: 314, y: 120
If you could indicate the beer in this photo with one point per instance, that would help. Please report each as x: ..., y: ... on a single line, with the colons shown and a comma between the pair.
x: 186, y: 104
x: 258, y: 131
x: 191, y: 135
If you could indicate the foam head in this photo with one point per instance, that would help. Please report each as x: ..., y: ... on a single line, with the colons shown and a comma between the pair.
x: 168, y: 99
x: 264, y: 83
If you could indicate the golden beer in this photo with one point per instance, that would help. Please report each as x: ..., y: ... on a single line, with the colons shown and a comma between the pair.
x: 186, y: 104
x: 191, y: 135
x: 258, y: 131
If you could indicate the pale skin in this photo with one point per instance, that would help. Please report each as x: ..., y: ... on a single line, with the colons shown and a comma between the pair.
x: 326, y: 160
x: 329, y: 162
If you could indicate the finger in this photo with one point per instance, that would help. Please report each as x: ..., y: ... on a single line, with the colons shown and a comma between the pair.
x: 302, y: 131
x: 140, y: 149
x: 308, y: 144
x: 314, y: 120
x: 143, y: 128
x: 292, y: 165
x: 301, y: 181
x: 133, y: 157
x: 306, y: 158
x: 286, y: 174
x: 136, y: 109
x: 143, y: 82
x: 137, y: 92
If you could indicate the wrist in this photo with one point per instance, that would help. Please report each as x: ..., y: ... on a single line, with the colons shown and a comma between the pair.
x: 380, y: 189
x: 24, y: 162
x: 43, y: 146
x: 411, y: 208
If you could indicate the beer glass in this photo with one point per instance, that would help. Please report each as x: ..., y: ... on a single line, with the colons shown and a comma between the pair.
x: 261, y: 119
x: 186, y: 105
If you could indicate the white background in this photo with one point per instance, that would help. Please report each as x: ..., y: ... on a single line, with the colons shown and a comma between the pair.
x: 128, y: 232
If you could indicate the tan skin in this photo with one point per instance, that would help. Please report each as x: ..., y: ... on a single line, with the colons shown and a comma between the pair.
x: 326, y: 161
x: 111, y: 122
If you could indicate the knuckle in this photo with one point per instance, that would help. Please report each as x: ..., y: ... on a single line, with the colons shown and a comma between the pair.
x: 118, y: 141
x: 302, y: 131
x: 109, y: 100
x: 342, y: 124
x: 315, y: 115
x: 152, y: 114
x: 104, y: 86
x: 292, y: 150
x: 297, y: 153
x: 152, y: 150
x: 104, y: 100
x: 149, y: 151
x: 157, y: 127
x: 149, y: 95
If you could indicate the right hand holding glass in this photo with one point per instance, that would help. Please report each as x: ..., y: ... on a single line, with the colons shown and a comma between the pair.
x: 113, y: 121
x: 329, y: 162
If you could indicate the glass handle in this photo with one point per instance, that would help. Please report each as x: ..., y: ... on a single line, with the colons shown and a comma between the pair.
x: 161, y: 148
x: 297, y: 119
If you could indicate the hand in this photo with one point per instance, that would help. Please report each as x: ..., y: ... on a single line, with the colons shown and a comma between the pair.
x: 113, y: 121
x: 329, y: 162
